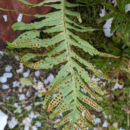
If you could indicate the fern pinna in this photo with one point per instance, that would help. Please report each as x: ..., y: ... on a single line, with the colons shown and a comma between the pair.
x: 72, y: 77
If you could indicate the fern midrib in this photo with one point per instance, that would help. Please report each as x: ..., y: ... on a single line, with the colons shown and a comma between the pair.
x: 69, y: 57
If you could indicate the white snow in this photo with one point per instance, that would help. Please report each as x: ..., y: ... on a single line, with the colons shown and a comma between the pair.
x: 37, y: 73
x: 97, y: 120
x: 49, y: 79
x: 22, y: 97
x: 56, y: 121
x: 3, y: 79
x: 16, y: 84
x: 21, y: 69
x: 12, y: 123
x: 105, y: 124
x: 27, y: 121
x: 17, y: 58
x: 114, y: 2
x: 95, y: 79
x: 117, y: 86
x: 115, y: 124
x: 34, y: 128
x: 34, y: 80
x: 3, y: 120
x: 83, y: 114
x: 121, y: 129
x: 8, y: 75
x: 28, y: 108
x: 127, y: 8
x: 8, y: 68
x: 26, y: 127
x: 19, y: 19
x: 38, y: 124
x: 16, y: 105
x: 83, y: 90
x: 32, y: 115
x: 1, y: 53
x: 39, y: 87
x: 46, y: 81
x: 5, y: 18
x: 28, y: 94
x: 26, y: 74
x: 21, y: 89
x: 105, y: 116
x: 102, y: 13
x: 107, y: 28
x: 5, y: 86
x: 107, y: 25
x: 61, y: 114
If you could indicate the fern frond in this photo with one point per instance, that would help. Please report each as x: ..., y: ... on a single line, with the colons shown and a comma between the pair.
x: 72, y: 77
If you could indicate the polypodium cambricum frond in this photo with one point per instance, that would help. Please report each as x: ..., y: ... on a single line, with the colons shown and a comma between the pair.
x: 72, y: 77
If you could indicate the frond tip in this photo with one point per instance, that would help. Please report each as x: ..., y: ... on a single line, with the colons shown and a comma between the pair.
x: 72, y: 77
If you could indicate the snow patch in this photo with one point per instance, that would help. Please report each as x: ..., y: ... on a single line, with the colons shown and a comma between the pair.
x: 17, y: 58
x: 27, y: 121
x: 49, y: 79
x: 114, y: 2
x: 34, y: 128
x: 5, y: 86
x: 21, y: 69
x: 56, y: 121
x: 127, y: 8
x: 12, y: 123
x: 103, y: 12
x: 26, y: 128
x: 1, y: 53
x: 107, y: 28
x: 32, y: 115
x: 95, y: 79
x: 117, y: 86
x: 16, y: 105
x: 28, y: 108
x: 115, y: 124
x: 22, y: 97
x: 8, y: 68
x: 5, y: 18
x: 105, y: 124
x: 97, y: 120
x: 121, y: 129
x: 39, y: 87
x: 37, y: 73
x: 19, y: 19
x: 28, y: 94
x: 3, y: 120
x: 16, y: 84
x: 3, y: 79
x: 38, y: 124
x: 26, y: 74
x: 7, y: 75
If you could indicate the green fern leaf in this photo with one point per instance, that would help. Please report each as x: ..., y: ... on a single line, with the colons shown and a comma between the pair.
x: 72, y: 77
